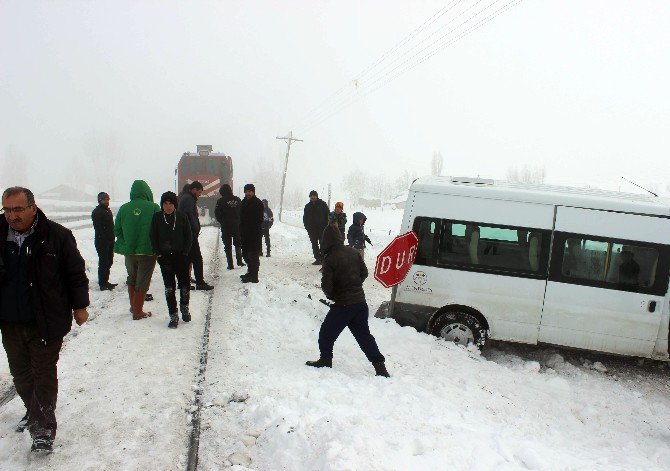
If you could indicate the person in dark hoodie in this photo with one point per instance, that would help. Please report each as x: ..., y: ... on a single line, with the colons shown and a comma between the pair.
x: 356, y: 234
x: 342, y: 282
x: 43, y: 288
x: 188, y: 205
x: 251, y: 234
x: 315, y: 220
x: 268, y: 220
x: 227, y: 212
x: 171, y: 242
x: 103, y: 227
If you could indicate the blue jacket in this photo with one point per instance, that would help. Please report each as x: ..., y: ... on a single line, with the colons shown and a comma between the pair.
x: 356, y: 234
x: 268, y: 219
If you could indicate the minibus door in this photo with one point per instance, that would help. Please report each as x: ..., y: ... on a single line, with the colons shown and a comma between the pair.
x: 606, y: 290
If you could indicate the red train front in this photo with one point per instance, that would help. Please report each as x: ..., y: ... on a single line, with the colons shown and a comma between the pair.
x: 212, y: 169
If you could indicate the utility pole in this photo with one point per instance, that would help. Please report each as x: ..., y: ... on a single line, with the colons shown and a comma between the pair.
x: 289, y: 139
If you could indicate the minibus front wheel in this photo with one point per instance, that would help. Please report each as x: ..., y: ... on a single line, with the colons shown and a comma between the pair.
x: 461, y: 328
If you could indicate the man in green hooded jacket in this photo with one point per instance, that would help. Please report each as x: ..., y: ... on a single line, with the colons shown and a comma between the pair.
x: 132, y: 228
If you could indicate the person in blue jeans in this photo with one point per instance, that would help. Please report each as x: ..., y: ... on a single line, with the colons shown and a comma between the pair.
x: 342, y: 282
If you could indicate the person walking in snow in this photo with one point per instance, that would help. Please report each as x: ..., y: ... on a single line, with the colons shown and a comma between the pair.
x: 131, y: 228
x: 342, y: 282
x: 103, y: 227
x: 268, y: 221
x: 227, y: 212
x: 188, y: 205
x: 338, y: 218
x: 171, y: 243
x: 315, y: 220
x: 356, y: 234
x: 43, y: 286
x: 251, y: 221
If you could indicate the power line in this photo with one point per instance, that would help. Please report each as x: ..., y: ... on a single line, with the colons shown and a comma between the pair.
x: 348, y: 101
x: 377, y: 77
x: 439, y: 13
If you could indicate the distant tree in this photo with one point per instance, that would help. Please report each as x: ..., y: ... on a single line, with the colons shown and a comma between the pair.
x: 355, y: 183
x: 403, y: 182
x: 293, y: 199
x: 267, y: 176
x: 104, y: 155
x: 436, y: 164
x: 527, y: 174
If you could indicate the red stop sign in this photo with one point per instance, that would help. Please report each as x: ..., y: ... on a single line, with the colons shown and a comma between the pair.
x: 394, y: 262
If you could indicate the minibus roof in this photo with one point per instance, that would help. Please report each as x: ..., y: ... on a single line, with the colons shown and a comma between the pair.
x: 590, y: 198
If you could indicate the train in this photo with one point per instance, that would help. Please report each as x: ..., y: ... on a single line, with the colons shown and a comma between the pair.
x: 212, y: 169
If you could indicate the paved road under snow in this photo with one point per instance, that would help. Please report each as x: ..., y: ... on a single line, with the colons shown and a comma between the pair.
x: 126, y: 389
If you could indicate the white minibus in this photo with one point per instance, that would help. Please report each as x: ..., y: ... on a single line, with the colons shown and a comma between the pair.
x: 573, y: 267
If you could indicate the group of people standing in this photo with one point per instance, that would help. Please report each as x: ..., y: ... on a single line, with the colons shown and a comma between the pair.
x: 44, y: 287
x: 146, y: 233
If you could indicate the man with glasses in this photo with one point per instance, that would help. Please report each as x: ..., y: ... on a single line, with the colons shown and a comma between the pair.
x: 44, y: 285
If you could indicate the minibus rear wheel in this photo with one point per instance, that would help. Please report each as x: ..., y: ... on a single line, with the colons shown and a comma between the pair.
x: 461, y: 328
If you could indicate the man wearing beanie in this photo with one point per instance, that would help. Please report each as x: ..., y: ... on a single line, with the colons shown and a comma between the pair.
x: 251, y: 233
x: 171, y: 243
x: 315, y: 220
x: 103, y: 226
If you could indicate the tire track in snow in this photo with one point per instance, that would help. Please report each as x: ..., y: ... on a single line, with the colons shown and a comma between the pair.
x: 196, y: 407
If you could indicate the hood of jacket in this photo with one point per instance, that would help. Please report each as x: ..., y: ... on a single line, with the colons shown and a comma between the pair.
x: 332, y: 238
x: 226, y: 191
x: 140, y: 191
x: 358, y: 216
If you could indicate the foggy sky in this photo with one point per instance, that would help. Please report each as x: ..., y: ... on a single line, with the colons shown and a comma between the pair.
x: 580, y: 88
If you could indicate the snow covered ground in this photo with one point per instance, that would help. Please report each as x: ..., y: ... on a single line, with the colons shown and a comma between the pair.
x: 127, y: 387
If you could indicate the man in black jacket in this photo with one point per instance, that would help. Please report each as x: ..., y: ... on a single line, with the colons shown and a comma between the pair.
x: 188, y: 206
x: 251, y: 221
x: 315, y: 220
x: 103, y: 226
x: 171, y: 242
x: 43, y: 288
x: 227, y: 212
x: 342, y: 282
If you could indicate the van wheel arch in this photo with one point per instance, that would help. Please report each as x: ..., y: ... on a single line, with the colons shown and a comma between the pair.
x: 460, y: 314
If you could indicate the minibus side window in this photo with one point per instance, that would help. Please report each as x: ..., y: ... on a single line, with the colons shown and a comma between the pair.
x: 631, y: 267
x: 610, y: 264
x: 480, y: 247
x: 426, y: 231
x: 584, y: 259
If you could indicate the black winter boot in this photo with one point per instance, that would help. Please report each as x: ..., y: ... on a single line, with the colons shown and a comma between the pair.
x: 229, y: 257
x: 185, y: 313
x: 174, y: 320
x: 380, y: 369
x: 184, y: 297
x: 321, y: 363
x: 250, y: 279
x: 238, y: 256
x: 171, y: 299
